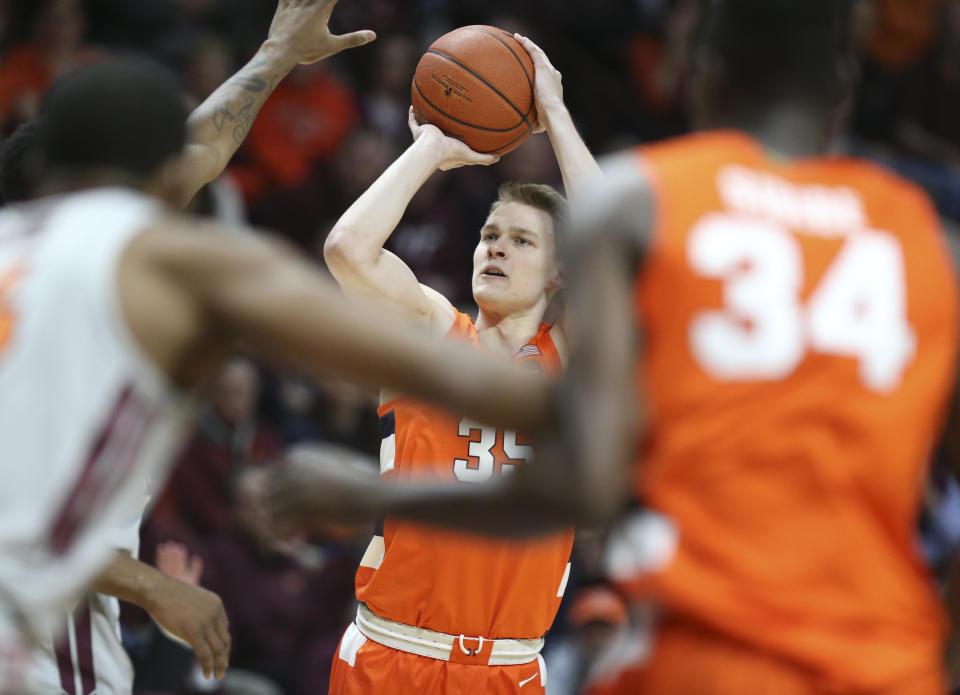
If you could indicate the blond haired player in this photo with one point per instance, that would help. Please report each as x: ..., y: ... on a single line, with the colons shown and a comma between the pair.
x: 113, y: 307
x: 434, y: 607
x: 85, y: 651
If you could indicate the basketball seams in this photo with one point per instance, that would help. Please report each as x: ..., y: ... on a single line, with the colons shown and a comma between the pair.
x: 461, y: 122
x: 496, y: 150
x: 513, y: 52
x: 496, y: 91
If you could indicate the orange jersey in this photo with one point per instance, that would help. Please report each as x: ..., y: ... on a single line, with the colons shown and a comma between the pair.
x: 800, y: 323
x: 449, y: 582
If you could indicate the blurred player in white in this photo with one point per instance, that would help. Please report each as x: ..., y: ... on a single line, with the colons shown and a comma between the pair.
x: 84, y: 652
x: 112, y: 308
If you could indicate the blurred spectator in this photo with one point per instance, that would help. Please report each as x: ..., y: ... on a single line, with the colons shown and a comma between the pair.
x: 305, y: 121
x: 385, y: 104
x: 905, y: 31
x: 298, y: 403
x: 207, y: 64
x: 932, y: 98
x: 288, y: 611
x: 228, y: 435
x: 51, y: 44
x: 599, y: 626
x: 350, y: 417
x: 659, y: 67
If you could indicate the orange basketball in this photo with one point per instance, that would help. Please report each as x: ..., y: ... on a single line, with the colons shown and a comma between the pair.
x: 476, y: 84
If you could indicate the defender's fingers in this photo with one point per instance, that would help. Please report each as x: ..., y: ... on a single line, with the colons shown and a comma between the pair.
x: 204, y: 655
x: 220, y: 651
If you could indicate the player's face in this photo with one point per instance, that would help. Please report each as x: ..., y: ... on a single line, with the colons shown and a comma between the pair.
x: 514, y: 265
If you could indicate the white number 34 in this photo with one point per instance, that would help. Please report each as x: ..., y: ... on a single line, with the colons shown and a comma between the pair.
x: 858, y: 309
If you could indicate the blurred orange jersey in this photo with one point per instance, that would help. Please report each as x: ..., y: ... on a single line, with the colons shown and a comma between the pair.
x: 800, y: 336
x: 448, y: 582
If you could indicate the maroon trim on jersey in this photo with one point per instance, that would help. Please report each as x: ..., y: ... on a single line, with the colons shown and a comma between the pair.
x: 83, y: 628
x: 61, y: 648
x: 82, y: 632
x: 111, y: 458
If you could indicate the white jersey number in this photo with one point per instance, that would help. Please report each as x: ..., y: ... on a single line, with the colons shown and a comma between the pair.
x: 482, y: 450
x: 858, y: 310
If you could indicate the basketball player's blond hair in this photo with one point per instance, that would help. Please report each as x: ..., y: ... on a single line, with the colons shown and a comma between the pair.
x: 536, y: 195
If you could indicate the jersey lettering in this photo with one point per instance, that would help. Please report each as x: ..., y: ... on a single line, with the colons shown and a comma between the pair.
x: 858, y: 310
x: 481, y: 465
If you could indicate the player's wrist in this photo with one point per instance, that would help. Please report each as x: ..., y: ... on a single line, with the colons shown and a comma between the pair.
x: 154, y: 587
x: 278, y: 55
x: 553, y: 114
x: 434, y: 146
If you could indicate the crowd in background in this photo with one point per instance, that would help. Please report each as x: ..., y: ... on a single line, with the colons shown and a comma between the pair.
x: 326, y: 133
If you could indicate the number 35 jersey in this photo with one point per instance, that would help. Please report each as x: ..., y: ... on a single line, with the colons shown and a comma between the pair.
x: 446, y: 581
x: 800, y: 321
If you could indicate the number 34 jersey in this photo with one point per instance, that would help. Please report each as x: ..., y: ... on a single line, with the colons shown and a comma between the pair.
x: 449, y: 582
x: 800, y: 321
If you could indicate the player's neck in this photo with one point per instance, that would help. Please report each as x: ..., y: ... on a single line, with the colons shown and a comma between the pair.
x: 787, y: 129
x: 64, y: 181
x: 505, y: 334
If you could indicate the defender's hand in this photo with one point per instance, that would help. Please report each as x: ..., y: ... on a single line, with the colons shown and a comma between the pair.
x: 321, y: 483
x: 300, y: 28
x: 547, y: 83
x: 196, y: 617
x: 451, y: 152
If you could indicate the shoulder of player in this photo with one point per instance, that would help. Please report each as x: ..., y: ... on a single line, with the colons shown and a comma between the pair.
x: 705, y: 144
x: 558, y: 335
x: 882, y: 183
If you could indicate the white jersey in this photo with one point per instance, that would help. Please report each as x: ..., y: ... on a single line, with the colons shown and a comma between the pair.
x: 84, y: 653
x: 85, y: 417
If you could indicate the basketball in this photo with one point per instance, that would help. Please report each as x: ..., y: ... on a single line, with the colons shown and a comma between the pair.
x: 476, y: 84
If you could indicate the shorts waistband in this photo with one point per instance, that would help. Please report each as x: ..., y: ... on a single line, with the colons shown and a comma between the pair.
x: 439, y: 645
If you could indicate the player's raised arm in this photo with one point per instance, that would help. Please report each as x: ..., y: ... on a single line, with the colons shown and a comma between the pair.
x: 354, y: 248
x: 212, y: 287
x: 577, y: 165
x: 298, y: 34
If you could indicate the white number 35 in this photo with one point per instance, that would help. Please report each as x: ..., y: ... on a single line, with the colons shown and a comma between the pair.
x: 858, y: 309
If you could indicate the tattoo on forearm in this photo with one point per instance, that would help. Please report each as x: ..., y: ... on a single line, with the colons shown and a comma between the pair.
x: 239, y: 120
x: 252, y: 83
x: 249, y: 83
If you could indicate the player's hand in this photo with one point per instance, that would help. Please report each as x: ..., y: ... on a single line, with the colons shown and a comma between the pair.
x: 451, y: 152
x: 195, y: 617
x: 320, y: 484
x: 300, y: 28
x: 547, y: 83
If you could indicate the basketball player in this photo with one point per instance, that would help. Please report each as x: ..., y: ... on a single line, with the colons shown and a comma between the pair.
x: 433, y: 606
x: 97, y: 660
x: 799, y: 318
x: 112, y: 308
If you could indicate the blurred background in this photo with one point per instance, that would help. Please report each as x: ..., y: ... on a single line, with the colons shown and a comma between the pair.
x: 327, y: 132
